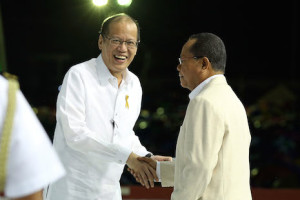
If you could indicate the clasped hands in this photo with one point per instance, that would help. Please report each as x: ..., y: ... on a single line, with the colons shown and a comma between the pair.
x: 144, y: 169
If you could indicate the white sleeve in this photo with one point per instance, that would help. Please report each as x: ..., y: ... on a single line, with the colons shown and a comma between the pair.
x: 158, y: 170
x: 167, y: 173
x: 32, y: 161
x: 71, y: 115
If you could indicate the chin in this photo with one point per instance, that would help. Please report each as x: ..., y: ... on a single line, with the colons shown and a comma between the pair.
x: 121, y: 66
x: 182, y: 85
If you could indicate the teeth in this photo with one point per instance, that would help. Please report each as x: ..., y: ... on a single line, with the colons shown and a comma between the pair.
x: 121, y: 57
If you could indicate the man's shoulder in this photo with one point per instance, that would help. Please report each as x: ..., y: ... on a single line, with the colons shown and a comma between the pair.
x: 3, y: 82
x: 84, y: 65
x: 133, y: 77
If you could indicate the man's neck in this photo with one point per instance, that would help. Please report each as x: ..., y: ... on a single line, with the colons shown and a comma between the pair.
x: 119, y: 77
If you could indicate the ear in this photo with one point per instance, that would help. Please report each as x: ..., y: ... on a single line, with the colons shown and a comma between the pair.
x: 100, y: 42
x: 205, y: 63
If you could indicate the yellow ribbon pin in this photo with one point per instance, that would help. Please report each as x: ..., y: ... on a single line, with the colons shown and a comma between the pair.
x: 126, y: 99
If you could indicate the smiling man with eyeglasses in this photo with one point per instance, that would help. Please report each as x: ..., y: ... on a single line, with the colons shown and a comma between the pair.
x: 97, y: 107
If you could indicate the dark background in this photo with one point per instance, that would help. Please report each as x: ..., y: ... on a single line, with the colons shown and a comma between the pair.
x: 44, y: 38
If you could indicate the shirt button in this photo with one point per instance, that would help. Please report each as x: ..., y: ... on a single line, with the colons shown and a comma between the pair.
x: 120, y: 161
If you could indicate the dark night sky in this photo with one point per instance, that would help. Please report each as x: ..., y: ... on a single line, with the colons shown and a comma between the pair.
x: 44, y: 38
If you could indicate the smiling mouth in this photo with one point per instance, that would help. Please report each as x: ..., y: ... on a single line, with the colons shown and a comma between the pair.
x: 120, y: 57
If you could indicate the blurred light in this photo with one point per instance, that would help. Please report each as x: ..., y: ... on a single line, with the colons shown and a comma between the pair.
x: 160, y: 111
x: 163, y: 117
x: 143, y: 124
x: 257, y: 124
x: 124, y: 2
x: 145, y: 113
x: 100, y: 2
x: 35, y: 110
x: 254, y: 172
x: 276, y: 183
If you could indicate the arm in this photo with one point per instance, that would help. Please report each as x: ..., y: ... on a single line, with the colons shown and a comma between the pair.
x: 71, y: 116
x: 167, y: 172
x: 166, y: 168
x: 202, y: 138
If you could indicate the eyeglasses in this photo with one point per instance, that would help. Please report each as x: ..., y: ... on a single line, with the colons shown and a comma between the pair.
x: 130, y: 44
x: 185, y: 58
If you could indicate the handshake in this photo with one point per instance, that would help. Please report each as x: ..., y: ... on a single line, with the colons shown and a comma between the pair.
x: 144, y: 168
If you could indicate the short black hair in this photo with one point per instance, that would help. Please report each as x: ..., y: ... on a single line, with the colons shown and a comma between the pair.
x: 211, y: 46
x: 106, y: 22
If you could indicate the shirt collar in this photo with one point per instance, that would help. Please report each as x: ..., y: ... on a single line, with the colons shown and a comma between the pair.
x: 200, y: 87
x: 104, y: 74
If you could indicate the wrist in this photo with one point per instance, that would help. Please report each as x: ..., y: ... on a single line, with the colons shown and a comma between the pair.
x: 130, y: 159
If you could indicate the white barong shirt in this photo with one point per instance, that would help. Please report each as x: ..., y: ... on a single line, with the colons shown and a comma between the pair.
x: 94, y: 133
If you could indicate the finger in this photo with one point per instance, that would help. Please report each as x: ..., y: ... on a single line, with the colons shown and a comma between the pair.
x: 153, y: 172
x: 131, y: 171
x: 145, y: 159
x: 150, y: 175
x: 141, y: 158
x: 140, y: 180
x: 136, y: 177
x: 144, y: 177
x: 158, y: 158
x: 167, y: 159
x: 152, y: 163
x: 161, y: 158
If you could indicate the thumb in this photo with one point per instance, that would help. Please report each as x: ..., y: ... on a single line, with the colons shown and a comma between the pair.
x: 147, y: 160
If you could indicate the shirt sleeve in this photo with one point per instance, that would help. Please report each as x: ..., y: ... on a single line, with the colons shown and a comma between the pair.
x: 204, y: 131
x: 158, y: 171
x: 71, y: 116
x: 32, y: 162
x: 166, y: 171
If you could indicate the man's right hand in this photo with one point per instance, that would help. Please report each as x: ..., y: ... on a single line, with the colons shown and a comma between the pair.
x: 142, y: 171
x: 150, y: 161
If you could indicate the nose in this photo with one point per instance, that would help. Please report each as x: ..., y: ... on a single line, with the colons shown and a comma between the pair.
x: 122, y: 46
x: 178, y: 67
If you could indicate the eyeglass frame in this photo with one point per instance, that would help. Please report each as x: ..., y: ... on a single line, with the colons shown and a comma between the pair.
x: 120, y: 42
x: 185, y: 58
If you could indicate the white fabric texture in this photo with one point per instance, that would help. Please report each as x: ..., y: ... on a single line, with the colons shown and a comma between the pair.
x: 212, y: 151
x: 94, y: 133
x: 200, y: 87
x: 192, y: 95
x: 32, y: 161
